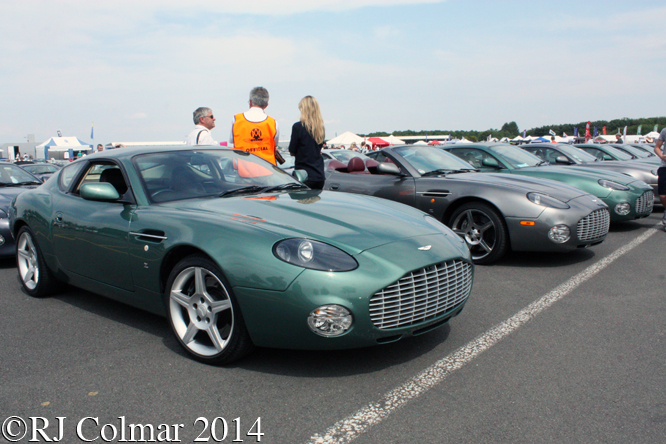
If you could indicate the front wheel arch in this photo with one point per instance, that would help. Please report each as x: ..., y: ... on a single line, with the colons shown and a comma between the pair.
x: 484, y: 229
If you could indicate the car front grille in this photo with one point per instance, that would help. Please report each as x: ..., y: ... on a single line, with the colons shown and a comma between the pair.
x: 645, y: 203
x: 421, y: 295
x: 594, y: 226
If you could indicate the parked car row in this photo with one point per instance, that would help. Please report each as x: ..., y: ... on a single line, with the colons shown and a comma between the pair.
x: 237, y: 253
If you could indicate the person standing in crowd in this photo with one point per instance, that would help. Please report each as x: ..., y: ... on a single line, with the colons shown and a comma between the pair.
x: 661, y: 172
x: 100, y: 147
x: 204, y: 121
x: 618, y: 139
x: 254, y: 131
x: 307, y: 140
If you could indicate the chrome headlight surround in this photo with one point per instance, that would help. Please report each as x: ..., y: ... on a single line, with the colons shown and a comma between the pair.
x: 313, y: 255
x: 613, y: 185
x: 330, y: 320
x: 547, y: 201
x: 623, y: 208
x: 559, y: 234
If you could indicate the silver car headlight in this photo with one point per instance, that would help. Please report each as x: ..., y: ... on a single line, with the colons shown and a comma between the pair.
x: 330, y: 320
x: 314, y: 255
x: 623, y: 208
x: 654, y: 172
x: 546, y: 201
x: 3, y: 214
x: 613, y: 185
x: 559, y: 234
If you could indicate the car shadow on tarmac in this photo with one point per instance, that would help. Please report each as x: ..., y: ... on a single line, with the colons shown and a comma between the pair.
x: 329, y: 363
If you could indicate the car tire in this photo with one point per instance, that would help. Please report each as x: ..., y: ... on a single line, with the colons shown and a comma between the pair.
x: 203, y: 312
x: 36, y: 278
x: 483, y: 229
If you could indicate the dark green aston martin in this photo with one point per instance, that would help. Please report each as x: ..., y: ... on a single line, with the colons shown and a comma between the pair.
x: 236, y: 253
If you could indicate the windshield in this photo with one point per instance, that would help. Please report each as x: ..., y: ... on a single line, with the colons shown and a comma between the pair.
x: 176, y: 175
x: 13, y: 175
x: 427, y: 159
x: 515, y: 157
x: 577, y: 154
x: 635, y: 151
x: 40, y: 169
x: 616, y: 153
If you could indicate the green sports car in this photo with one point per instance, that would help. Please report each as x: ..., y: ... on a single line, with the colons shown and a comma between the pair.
x: 627, y: 198
x: 237, y: 253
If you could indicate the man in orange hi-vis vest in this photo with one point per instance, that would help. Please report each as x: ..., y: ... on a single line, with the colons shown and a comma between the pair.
x: 254, y: 131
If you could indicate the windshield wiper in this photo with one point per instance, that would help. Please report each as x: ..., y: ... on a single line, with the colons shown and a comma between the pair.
x: 288, y: 186
x: 463, y: 170
x: 20, y: 184
x: 435, y: 173
x: 252, y: 189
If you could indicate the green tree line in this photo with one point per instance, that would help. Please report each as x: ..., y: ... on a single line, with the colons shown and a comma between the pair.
x: 511, y: 130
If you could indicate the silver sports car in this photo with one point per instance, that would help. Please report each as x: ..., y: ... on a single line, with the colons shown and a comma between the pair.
x: 492, y: 212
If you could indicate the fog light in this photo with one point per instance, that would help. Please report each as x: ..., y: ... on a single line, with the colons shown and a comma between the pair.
x: 2, y: 240
x: 623, y: 208
x: 330, y: 320
x: 559, y: 234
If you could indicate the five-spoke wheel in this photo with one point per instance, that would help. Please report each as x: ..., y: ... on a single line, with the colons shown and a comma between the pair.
x: 36, y: 278
x: 203, y: 313
x: 483, y: 229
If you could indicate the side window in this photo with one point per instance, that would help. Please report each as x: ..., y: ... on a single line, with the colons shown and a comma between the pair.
x: 104, y: 172
x: 473, y: 157
x: 67, y: 175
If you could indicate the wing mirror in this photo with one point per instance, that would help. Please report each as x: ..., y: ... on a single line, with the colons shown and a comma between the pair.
x: 300, y: 175
x: 490, y: 162
x: 388, y: 168
x: 99, y: 191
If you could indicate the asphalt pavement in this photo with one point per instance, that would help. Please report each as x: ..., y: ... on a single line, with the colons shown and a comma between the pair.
x: 550, y: 348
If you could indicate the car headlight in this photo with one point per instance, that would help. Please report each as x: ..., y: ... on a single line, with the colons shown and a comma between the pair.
x: 654, y: 172
x: 330, y: 320
x: 559, y: 234
x: 3, y: 214
x: 546, y: 201
x: 314, y: 255
x: 613, y: 185
x: 623, y: 208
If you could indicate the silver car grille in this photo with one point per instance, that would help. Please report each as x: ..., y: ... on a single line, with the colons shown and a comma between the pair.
x: 422, y: 294
x: 645, y: 203
x: 594, y: 226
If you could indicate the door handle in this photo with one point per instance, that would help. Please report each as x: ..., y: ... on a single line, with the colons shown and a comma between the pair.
x: 335, y: 187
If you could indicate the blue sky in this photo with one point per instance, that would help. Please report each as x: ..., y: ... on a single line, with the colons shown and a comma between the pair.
x: 138, y: 69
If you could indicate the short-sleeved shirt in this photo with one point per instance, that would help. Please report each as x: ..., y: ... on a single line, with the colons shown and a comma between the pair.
x: 662, y: 137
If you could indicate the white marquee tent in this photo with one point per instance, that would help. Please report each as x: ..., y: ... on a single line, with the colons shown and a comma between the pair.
x: 346, y: 139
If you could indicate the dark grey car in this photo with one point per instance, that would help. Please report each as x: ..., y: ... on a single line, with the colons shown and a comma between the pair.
x: 492, y: 212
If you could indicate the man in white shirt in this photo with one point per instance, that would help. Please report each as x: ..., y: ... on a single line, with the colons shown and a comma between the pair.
x: 204, y: 121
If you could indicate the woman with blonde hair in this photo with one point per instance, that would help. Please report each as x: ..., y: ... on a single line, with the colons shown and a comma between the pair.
x: 307, y: 139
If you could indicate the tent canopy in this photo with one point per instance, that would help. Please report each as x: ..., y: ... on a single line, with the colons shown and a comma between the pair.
x: 378, y: 141
x: 392, y: 140
x: 346, y: 138
x: 64, y: 144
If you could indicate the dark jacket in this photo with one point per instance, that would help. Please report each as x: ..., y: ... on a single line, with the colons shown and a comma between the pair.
x: 307, y: 153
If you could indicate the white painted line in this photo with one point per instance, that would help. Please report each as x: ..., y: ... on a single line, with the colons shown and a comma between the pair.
x: 350, y: 428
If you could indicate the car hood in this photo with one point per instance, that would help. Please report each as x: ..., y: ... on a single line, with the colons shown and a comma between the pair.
x: 524, y: 184
x: 353, y: 222
x: 7, y: 194
x: 566, y: 172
